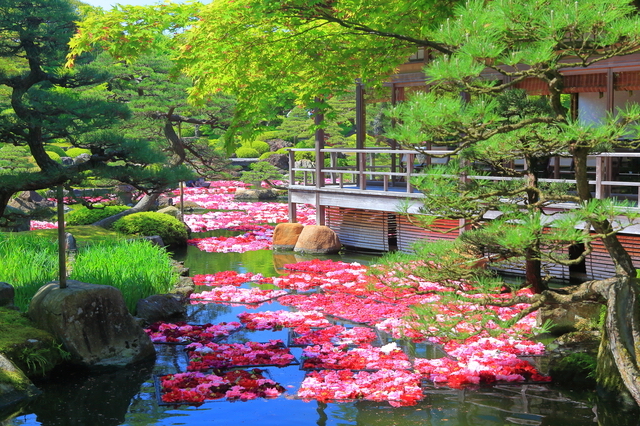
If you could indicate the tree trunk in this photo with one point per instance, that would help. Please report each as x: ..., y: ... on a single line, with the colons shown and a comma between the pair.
x: 145, y: 204
x: 620, y: 346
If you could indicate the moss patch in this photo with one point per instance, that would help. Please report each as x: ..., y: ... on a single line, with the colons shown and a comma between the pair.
x: 32, y: 350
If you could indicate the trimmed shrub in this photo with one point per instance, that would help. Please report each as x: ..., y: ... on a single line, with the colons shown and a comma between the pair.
x: 74, y: 152
x: 172, y: 231
x: 259, y: 146
x: 53, y: 148
x: 54, y: 156
x: 267, y: 155
x: 86, y: 216
x: 272, y: 134
x: 245, y: 152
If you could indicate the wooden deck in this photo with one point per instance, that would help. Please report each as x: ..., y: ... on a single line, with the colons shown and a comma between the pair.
x: 381, y: 178
x: 362, y: 203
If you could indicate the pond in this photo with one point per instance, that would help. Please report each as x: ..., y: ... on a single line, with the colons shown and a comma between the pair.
x: 128, y: 396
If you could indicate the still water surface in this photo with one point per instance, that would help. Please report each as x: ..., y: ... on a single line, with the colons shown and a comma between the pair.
x: 128, y: 397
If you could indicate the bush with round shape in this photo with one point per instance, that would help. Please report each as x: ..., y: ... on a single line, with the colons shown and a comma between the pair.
x: 54, y: 156
x: 171, y: 230
x: 244, y: 152
x: 259, y: 146
x: 54, y: 148
x: 74, y: 152
x: 267, y: 155
x: 86, y: 216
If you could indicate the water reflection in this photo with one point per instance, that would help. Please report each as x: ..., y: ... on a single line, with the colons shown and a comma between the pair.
x: 128, y: 396
x: 76, y: 397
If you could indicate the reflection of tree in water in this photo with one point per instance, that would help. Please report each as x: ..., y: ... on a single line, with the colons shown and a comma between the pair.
x: 491, y: 406
x: 77, y: 397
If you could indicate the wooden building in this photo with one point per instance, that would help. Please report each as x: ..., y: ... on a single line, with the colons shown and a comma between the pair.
x: 362, y: 203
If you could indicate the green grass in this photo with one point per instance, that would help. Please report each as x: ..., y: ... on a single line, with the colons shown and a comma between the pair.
x: 84, y: 234
x: 139, y: 269
x: 27, y: 263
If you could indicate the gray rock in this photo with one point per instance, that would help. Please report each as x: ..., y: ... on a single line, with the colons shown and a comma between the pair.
x: 280, y: 161
x: 276, y: 144
x: 17, y: 388
x: 568, y: 317
x: 171, y: 211
x: 256, y: 194
x: 155, y: 239
x: 305, y: 164
x: 32, y: 203
x: 82, y: 158
x: 93, y: 323
x: 164, y: 201
x: 7, y: 294
x: 66, y: 161
x: 70, y: 242
x: 160, y: 307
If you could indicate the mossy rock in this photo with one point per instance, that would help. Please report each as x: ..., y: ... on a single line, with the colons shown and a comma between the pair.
x: 15, y: 389
x: 32, y: 350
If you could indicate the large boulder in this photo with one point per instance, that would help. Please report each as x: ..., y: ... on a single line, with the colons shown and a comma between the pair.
x: 160, y: 307
x: 171, y: 211
x: 256, y: 194
x: 280, y: 161
x: 15, y: 387
x: 318, y: 239
x: 285, y: 235
x: 276, y: 144
x: 568, y: 317
x: 32, y: 203
x: 93, y: 323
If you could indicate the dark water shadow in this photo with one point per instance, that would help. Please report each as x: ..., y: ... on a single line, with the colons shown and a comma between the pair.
x: 77, y: 397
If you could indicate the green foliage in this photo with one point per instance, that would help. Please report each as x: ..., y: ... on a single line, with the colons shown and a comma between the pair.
x: 246, y: 152
x: 260, y: 146
x: 17, y: 336
x: 172, y: 231
x: 74, y: 152
x: 267, y: 155
x: 272, y: 134
x: 576, y: 369
x: 87, y: 216
x: 54, y: 156
x: 27, y: 264
x: 54, y: 148
x: 272, y: 70
x: 44, y: 103
x: 136, y: 267
x: 15, y: 157
x: 261, y: 171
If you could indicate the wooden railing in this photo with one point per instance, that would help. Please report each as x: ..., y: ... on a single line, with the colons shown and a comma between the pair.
x: 389, y: 169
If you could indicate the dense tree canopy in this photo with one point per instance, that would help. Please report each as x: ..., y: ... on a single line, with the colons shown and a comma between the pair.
x: 47, y: 103
x: 257, y: 50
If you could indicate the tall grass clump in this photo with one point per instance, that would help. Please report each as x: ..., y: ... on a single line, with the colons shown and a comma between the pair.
x: 27, y: 263
x: 137, y: 268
